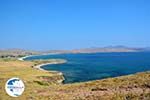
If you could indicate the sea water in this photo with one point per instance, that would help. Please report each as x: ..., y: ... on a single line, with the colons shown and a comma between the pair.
x: 93, y: 66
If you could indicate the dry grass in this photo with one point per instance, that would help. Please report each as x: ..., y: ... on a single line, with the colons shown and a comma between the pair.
x: 41, y: 85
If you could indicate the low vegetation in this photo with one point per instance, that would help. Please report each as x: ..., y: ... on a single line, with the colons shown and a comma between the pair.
x: 43, y: 85
x: 15, y: 53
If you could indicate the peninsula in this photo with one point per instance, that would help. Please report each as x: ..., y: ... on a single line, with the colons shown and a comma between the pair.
x: 41, y: 84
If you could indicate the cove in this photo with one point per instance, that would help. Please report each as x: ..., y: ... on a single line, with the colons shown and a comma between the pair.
x: 93, y: 66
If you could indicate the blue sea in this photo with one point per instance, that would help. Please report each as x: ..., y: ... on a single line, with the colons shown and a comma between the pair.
x: 87, y: 67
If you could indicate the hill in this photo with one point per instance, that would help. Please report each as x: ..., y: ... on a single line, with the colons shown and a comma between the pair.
x: 42, y: 85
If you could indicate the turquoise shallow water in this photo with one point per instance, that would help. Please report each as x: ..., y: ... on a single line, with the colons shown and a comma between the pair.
x: 86, y: 67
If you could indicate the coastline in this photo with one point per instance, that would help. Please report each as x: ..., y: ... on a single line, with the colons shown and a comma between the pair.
x: 41, y: 69
x: 22, y: 58
x: 40, y: 86
x: 56, y: 72
x: 41, y: 65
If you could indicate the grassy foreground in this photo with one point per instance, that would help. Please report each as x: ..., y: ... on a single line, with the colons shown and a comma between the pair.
x: 43, y: 85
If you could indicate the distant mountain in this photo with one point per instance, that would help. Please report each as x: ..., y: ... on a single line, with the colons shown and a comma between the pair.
x: 119, y: 48
x: 20, y: 52
x: 146, y: 49
x: 17, y: 53
x: 109, y: 49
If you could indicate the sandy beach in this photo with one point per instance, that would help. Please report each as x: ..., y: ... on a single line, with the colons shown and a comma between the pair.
x: 22, y: 58
x: 56, y: 72
x: 40, y: 65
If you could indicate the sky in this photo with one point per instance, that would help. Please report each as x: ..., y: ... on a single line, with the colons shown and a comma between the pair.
x: 73, y: 24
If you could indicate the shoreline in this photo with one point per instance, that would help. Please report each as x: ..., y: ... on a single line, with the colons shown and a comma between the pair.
x: 24, y: 57
x: 41, y: 65
x: 38, y: 67
x: 41, y: 69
